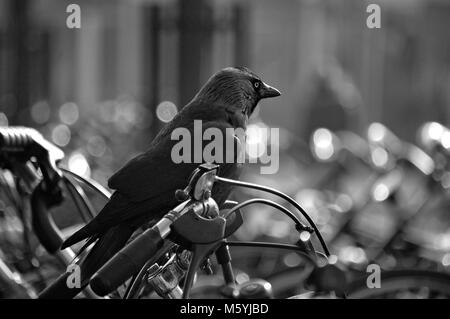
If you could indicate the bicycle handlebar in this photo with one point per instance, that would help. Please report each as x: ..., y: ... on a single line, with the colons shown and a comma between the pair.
x: 126, y: 262
x: 47, y: 232
x: 133, y: 256
x: 16, y: 138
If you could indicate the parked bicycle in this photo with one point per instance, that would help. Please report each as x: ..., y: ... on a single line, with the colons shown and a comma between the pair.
x: 163, y: 260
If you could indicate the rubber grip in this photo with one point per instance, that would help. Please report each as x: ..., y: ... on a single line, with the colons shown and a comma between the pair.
x: 16, y: 138
x: 126, y: 262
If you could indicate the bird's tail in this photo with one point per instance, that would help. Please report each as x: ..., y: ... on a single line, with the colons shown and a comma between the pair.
x: 116, y: 206
x: 81, y: 234
x: 106, y: 246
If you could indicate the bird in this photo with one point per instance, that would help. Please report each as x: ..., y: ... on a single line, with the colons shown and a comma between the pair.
x: 144, y: 187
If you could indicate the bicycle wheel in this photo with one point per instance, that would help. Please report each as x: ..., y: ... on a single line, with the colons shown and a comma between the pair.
x: 403, y: 284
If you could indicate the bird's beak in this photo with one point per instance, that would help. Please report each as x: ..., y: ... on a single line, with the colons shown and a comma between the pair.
x: 267, y: 91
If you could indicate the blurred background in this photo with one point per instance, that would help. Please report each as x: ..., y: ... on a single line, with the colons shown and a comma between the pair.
x: 103, y: 91
x: 134, y: 63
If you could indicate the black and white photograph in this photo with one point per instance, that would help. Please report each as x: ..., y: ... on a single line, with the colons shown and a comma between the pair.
x: 244, y: 156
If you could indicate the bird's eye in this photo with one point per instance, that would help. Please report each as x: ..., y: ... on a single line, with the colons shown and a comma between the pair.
x: 256, y: 84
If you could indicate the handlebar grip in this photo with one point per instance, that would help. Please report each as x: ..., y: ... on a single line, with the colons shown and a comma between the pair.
x: 126, y: 262
x: 44, y: 227
x: 16, y: 138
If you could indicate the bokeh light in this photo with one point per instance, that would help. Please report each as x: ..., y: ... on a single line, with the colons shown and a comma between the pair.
x: 445, y: 180
x: 79, y: 165
x: 242, y: 277
x: 96, y: 146
x: 430, y: 134
x: 381, y: 192
x: 352, y: 254
x: 376, y: 132
x: 166, y: 111
x: 68, y: 113
x: 434, y: 131
x: 305, y: 236
x: 40, y: 112
x: 61, y: 135
x: 292, y: 260
x: 445, y: 139
x: 256, y: 140
x: 333, y: 259
x: 446, y: 260
x: 344, y: 203
x: 323, y: 147
x: 379, y: 156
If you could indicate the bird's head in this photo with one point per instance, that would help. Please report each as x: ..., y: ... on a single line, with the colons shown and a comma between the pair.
x: 236, y: 88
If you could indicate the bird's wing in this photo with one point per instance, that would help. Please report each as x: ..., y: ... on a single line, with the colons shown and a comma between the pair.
x: 155, y: 172
x: 146, y: 185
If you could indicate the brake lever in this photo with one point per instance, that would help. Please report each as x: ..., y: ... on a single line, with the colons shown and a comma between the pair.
x: 203, y: 237
x: 234, y: 221
x: 202, y: 233
x: 200, y: 183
